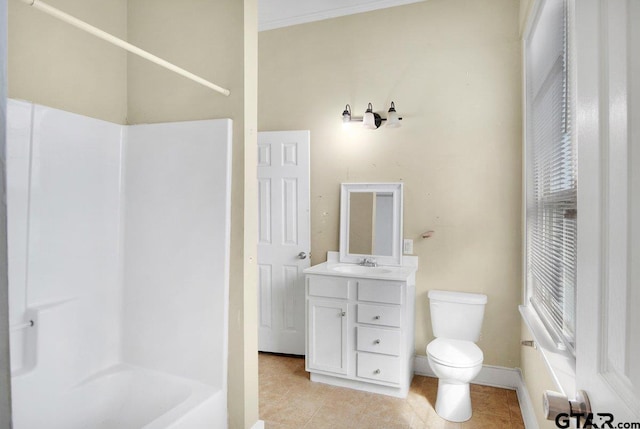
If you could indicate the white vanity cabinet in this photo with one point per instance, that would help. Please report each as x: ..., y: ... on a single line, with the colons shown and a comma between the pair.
x: 327, y: 327
x: 360, y: 329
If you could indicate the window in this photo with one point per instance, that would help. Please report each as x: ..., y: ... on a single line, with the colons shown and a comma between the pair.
x: 551, y: 186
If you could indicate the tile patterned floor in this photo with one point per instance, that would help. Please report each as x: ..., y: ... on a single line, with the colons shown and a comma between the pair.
x: 289, y: 400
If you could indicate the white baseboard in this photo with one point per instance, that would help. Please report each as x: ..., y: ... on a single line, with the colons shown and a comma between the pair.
x: 495, y: 376
x: 258, y: 425
x: 526, y: 406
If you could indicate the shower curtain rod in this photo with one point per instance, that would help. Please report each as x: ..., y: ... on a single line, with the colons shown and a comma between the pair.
x: 56, y: 13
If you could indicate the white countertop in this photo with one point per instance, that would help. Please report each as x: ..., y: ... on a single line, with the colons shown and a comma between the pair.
x: 334, y: 268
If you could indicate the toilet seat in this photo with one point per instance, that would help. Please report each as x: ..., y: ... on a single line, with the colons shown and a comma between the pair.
x: 455, y: 353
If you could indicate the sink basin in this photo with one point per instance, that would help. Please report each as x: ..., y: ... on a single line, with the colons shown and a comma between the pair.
x: 359, y: 269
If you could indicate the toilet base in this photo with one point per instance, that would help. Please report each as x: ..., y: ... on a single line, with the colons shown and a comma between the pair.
x: 453, y: 401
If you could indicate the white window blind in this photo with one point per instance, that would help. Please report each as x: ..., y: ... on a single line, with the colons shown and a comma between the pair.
x: 551, y: 175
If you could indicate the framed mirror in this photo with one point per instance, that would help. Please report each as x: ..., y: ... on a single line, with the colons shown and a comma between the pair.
x: 371, y: 222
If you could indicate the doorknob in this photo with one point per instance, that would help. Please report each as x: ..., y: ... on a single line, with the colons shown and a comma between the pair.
x: 556, y: 404
x: 302, y: 255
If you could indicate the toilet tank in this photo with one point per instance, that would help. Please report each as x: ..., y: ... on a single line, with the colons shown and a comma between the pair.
x: 456, y: 315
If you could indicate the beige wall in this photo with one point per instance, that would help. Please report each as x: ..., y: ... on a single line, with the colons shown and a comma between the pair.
x: 203, y: 36
x: 54, y: 64
x: 453, y: 69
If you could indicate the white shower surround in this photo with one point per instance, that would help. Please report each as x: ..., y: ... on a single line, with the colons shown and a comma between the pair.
x: 119, y: 251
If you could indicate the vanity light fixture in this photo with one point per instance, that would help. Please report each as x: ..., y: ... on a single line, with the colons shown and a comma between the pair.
x: 371, y: 120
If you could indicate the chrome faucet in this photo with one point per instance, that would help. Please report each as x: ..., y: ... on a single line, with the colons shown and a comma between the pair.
x: 368, y: 262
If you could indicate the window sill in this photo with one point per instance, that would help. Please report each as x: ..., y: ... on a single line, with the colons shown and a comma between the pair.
x: 561, y: 363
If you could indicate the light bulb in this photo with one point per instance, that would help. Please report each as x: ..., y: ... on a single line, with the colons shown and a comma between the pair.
x: 393, y: 119
x: 346, y: 114
x: 369, y: 120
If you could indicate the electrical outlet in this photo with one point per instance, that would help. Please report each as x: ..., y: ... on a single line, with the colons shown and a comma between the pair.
x: 407, y: 247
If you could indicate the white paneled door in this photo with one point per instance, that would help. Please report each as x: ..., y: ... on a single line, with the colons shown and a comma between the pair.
x: 283, y: 239
x: 608, y: 132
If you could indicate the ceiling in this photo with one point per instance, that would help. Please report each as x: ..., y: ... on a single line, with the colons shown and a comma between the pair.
x: 283, y: 13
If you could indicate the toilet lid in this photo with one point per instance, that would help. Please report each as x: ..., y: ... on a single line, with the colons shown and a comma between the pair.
x: 456, y: 353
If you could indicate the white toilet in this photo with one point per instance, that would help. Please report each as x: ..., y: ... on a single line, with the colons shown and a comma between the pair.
x: 456, y: 318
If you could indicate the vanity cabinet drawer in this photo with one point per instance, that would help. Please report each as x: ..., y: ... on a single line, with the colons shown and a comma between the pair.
x: 379, y: 315
x: 328, y: 287
x: 376, y: 340
x: 379, y: 367
x: 379, y: 291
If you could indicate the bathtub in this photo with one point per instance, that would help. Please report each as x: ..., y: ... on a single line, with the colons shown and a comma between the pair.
x: 121, y: 397
x: 113, y: 325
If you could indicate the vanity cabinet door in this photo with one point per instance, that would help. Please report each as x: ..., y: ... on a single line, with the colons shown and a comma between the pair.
x: 327, y: 335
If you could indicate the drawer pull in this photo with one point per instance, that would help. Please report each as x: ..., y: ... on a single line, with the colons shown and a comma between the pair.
x: 376, y: 342
x: 377, y: 371
x: 373, y: 314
